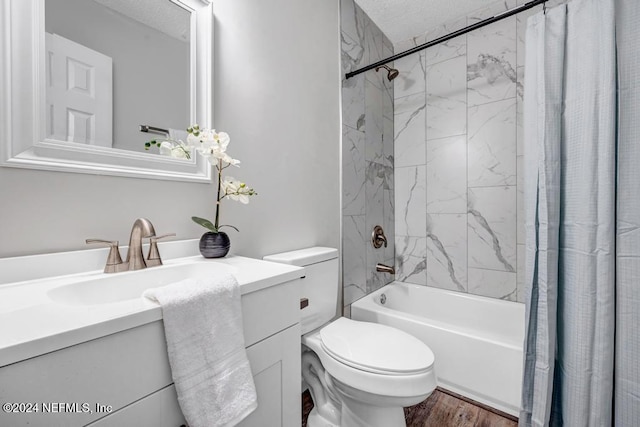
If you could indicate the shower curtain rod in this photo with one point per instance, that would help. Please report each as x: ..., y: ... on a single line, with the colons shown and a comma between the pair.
x: 449, y: 36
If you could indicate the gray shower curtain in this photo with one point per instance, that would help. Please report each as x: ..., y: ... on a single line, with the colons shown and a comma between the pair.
x: 582, y: 215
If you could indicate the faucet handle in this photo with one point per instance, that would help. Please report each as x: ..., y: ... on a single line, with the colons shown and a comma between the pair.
x: 153, y: 258
x: 378, y: 238
x: 113, y: 259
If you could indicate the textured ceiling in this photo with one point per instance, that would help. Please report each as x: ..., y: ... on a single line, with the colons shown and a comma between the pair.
x: 164, y: 15
x: 400, y: 20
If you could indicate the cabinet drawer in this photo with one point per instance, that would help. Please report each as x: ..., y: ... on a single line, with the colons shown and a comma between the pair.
x: 161, y: 409
x: 114, y: 370
x: 270, y: 310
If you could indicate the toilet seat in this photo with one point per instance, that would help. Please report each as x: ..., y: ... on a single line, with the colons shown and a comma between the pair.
x: 375, y: 348
x: 373, y: 376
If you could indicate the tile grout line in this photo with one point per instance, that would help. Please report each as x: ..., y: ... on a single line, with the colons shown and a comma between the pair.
x: 426, y: 174
x: 466, y: 55
x: 517, y: 25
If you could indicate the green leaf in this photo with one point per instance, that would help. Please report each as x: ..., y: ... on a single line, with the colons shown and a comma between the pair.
x: 227, y: 225
x: 205, y: 223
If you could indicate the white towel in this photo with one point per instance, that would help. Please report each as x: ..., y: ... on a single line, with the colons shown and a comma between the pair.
x: 205, y: 342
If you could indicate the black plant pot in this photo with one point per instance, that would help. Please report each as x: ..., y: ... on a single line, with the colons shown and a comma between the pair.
x: 214, y: 245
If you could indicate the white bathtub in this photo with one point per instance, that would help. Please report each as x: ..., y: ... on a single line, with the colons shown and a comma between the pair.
x: 477, y: 341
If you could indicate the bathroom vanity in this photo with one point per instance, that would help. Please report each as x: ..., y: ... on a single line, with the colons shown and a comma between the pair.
x: 87, y: 349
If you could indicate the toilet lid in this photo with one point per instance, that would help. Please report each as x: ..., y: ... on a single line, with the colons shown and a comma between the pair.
x: 375, y: 348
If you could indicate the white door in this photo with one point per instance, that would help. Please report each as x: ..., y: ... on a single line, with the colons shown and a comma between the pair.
x: 79, y: 93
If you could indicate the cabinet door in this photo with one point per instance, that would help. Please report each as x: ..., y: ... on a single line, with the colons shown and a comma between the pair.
x: 160, y: 409
x: 275, y: 363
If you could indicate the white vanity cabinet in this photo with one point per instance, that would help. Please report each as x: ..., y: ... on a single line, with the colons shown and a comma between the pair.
x: 124, y: 379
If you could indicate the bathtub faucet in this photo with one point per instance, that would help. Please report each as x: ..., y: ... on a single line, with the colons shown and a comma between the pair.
x: 385, y: 269
x: 378, y: 238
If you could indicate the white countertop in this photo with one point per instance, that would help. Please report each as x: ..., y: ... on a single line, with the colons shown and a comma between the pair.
x: 32, y: 324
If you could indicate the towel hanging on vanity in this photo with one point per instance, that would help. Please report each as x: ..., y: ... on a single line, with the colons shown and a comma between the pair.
x: 205, y: 343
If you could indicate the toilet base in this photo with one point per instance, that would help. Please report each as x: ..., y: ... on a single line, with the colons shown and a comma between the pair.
x: 317, y: 420
x: 358, y: 414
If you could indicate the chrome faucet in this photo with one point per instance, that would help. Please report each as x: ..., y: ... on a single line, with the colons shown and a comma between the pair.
x: 385, y: 268
x: 141, y: 229
x: 378, y: 238
x: 153, y: 258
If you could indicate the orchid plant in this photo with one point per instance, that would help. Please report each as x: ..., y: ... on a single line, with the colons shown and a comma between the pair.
x: 170, y: 147
x: 213, y: 145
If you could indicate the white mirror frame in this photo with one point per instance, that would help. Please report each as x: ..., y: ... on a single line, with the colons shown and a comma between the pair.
x: 22, y: 98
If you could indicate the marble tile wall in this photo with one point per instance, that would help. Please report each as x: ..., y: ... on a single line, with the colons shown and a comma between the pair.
x: 367, y: 155
x: 459, y: 158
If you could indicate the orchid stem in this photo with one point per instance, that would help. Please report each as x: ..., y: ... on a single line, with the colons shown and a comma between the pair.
x: 219, y: 167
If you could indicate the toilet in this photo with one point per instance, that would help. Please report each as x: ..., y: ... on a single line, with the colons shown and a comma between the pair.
x: 359, y: 373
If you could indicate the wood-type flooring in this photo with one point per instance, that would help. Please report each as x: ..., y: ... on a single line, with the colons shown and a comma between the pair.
x: 442, y: 409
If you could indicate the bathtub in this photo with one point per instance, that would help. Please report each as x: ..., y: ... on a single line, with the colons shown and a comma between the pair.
x: 477, y: 341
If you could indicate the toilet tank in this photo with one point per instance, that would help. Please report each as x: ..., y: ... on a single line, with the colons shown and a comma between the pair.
x: 320, y: 284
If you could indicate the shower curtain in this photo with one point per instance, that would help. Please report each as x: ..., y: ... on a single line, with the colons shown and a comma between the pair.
x: 582, y: 215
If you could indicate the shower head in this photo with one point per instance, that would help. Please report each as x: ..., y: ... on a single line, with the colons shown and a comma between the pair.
x: 392, y: 73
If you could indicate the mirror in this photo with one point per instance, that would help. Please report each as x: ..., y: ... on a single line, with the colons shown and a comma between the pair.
x: 84, y: 75
x: 112, y: 65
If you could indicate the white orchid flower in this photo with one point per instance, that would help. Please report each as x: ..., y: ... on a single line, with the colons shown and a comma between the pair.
x: 214, y: 155
x: 165, y: 148
x: 206, y: 139
x: 213, y: 145
x: 181, y: 151
x: 222, y: 139
x: 227, y: 158
x: 176, y: 149
x: 192, y: 140
x: 236, y: 190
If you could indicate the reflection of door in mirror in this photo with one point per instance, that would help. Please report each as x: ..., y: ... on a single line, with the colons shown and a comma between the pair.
x: 79, y: 93
x: 150, y: 46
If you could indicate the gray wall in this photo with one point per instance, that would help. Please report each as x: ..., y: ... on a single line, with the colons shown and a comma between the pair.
x: 55, y: 211
x: 276, y: 93
x: 367, y: 154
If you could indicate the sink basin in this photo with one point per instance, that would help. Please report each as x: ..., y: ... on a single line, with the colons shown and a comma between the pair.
x: 50, y: 302
x: 118, y: 287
